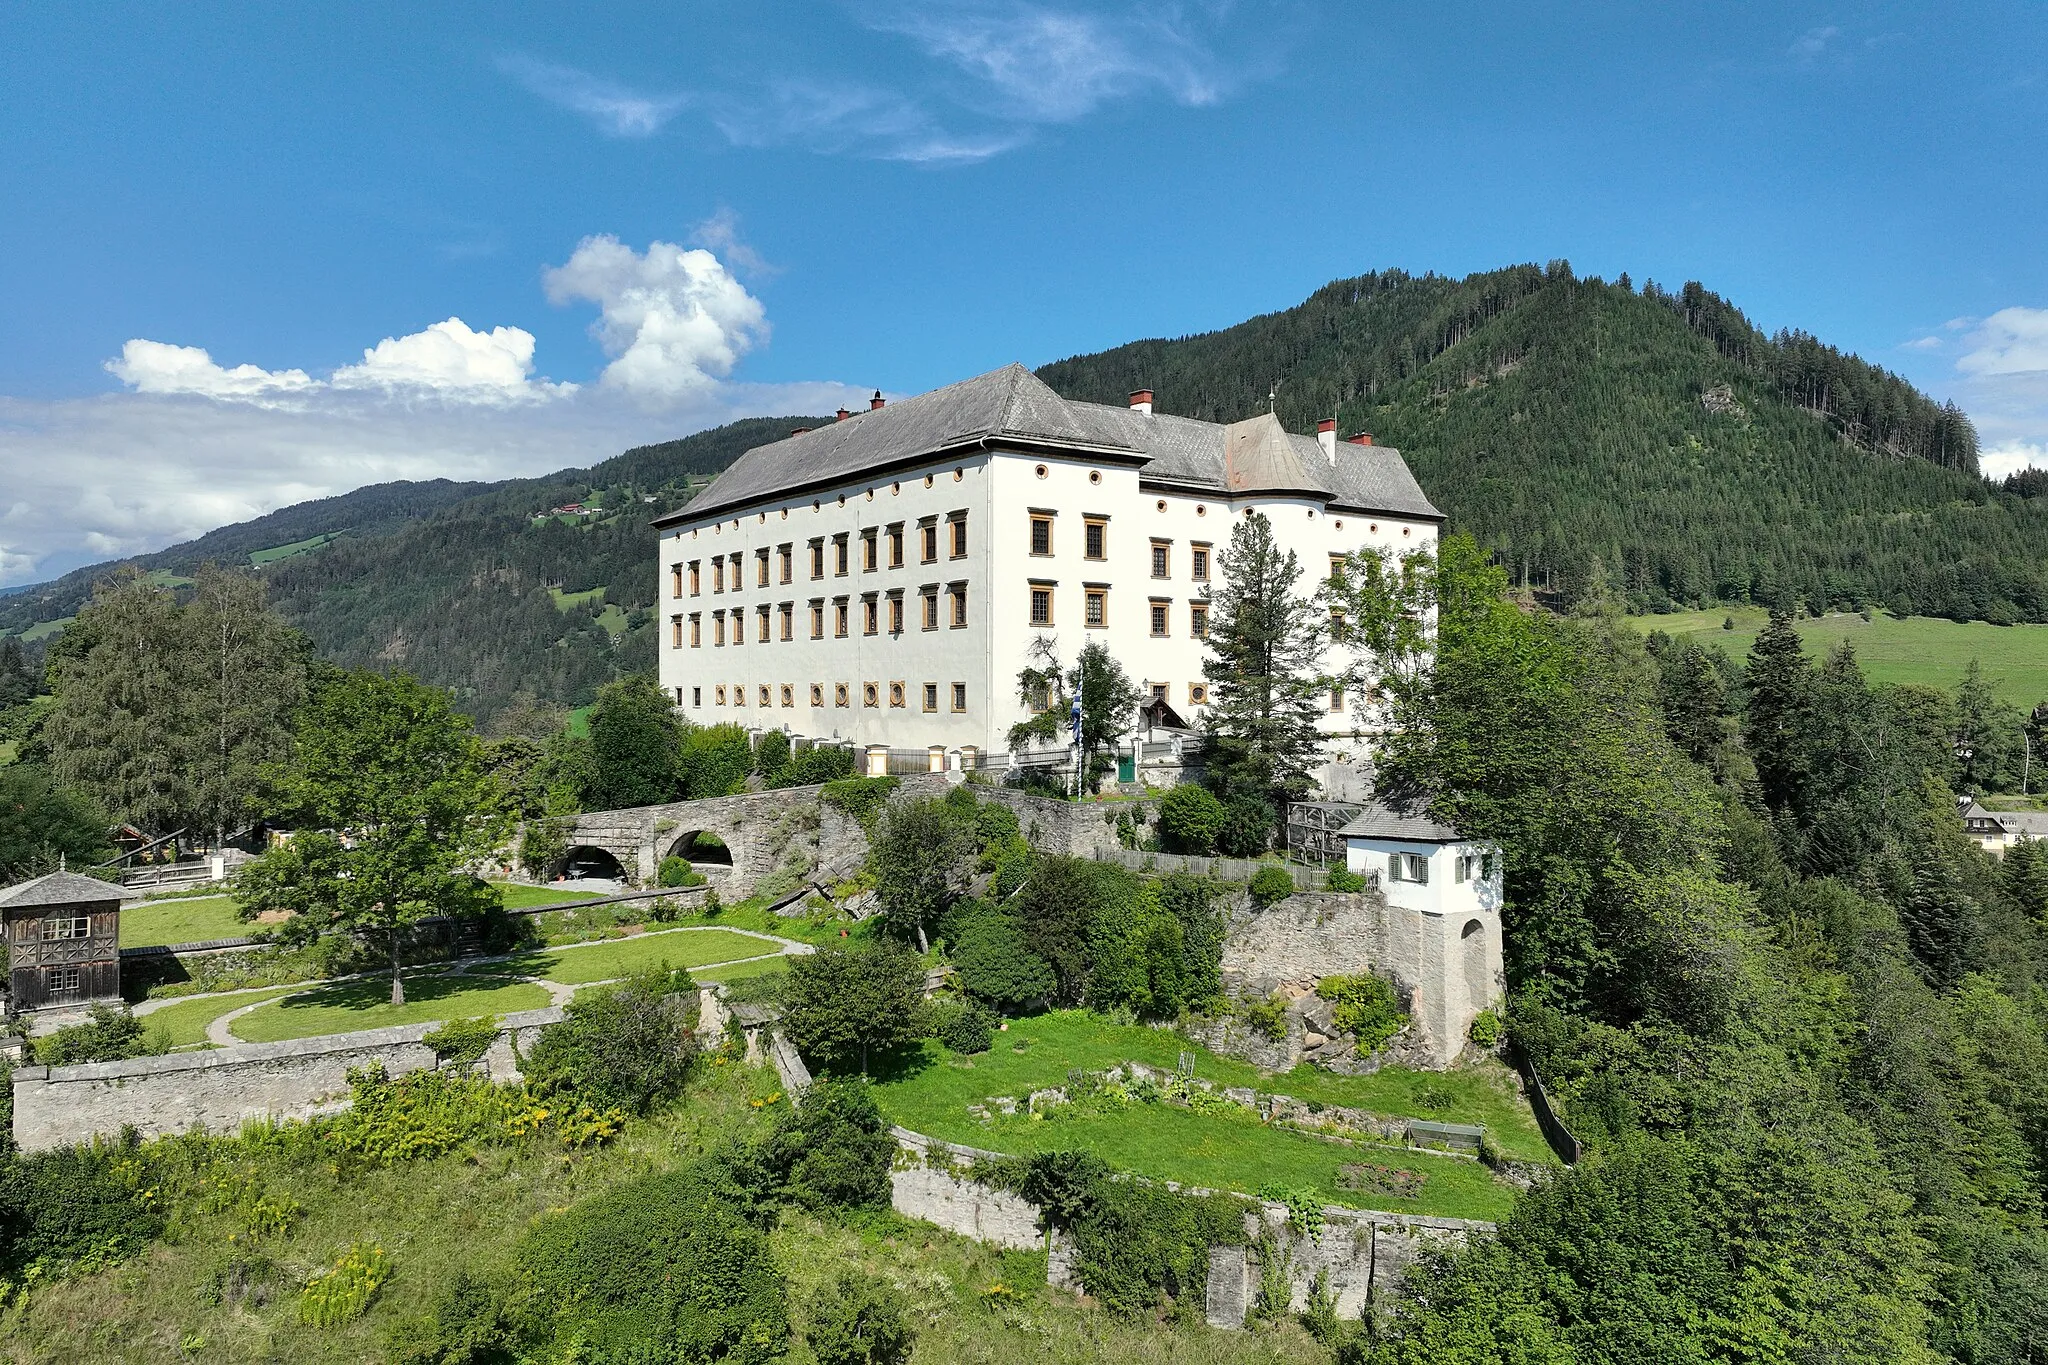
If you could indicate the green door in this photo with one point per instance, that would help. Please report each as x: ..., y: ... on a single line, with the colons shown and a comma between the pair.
x: 1127, y: 767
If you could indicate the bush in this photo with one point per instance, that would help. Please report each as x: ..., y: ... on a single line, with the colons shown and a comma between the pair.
x: 1344, y: 879
x: 814, y: 766
x: 715, y: 760
x: 469, y: 1324
x: 1266, y: 1016
x: 1247, y: 827
x: 1270, y: 885
x: 343, y: 1293
x: 660, y: 1269
x: 72, y: 1208
x: 832, y: 1152
x: 995, y: 965
x: 771, y: 754
x: 676, y: 871
x: 1190, y: 819
x: 859, y: 797
x: 845, y: 1004
x: 859, y: 1322
x: 1488, y: 1028
x: 462, y: 1042
x: 629, y: 1046
x: 107, y: 1035
x: 970, y: 1029
x: 1367, y: 1008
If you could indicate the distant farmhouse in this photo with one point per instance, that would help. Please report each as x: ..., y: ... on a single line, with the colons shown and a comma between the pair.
x: 881, y: 581
x: 1997, y: 830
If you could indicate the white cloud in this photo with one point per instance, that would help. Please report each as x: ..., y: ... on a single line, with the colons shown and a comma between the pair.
x: 452, y: 359
x: 157, y: 367
x: 673, y: 319
x: 1922, y: 344
x: 2010, y: 341
x: 612, y: 107
x: 720, y: 234
x: 1814, y: 42
x: 1055, y: 66
x: 833, y: 117
x: 2011, y: 457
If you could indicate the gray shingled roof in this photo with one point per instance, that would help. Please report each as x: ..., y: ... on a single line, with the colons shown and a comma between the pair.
x: 2032, y: 823
x: 1381, y: 821
x: 58, y: 888
x: 1252, y: 456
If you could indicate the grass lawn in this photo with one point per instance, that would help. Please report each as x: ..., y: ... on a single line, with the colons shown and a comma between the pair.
x: 43, y: 630
x: 1924, y: 650
x: 613, y: 619
x: 466, y: 1212
x: 186, y: 920
x: 258, y: 558
x: 187, y: 1020
x: 520, y: 896
x: 579, y: 722
x: 352, y: 1005
x: 741, y: 970
x: 569, y: 601
x: 623, y: 957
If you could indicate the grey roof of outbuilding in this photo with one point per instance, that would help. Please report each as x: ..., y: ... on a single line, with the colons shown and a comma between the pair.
x: 1381, y: 821
x: 1012, y: 405
x: 58, y: 888
x: 2032, y: 823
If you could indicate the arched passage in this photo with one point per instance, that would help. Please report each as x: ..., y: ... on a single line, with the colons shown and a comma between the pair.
x: 590, y: 861
x: 701, y: 848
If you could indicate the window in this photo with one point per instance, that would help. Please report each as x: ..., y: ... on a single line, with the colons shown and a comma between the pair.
x: 839, y: 694
x: 675, y: 580
x: 818, y: 557
x: 1337, y: 698
x: 764, y: 694
x: 839, y: 555
x: 1198, y: 561
x: 696, y: 696
x: 896, y: 612
x: 839, y: 618
x: 1095, y: 614
x: 738, y: 556
x: 959, y: 696
x: 931, y: 696
x: 817, y: 694
x: 789, y: 620
x: 958, y: 592
x: 1472, y: 867
x: 896, y: 545
x: 1162, y: 559
x: 1041, y: 535
x: 1160, y: 607
x: 928, y: 538
x: 1041, y: 606
x: 787, y: 554
x: 958, y: 521
x: 61, y: 980
x: 1198, y: 694
x: 1040, y: 699
x: 788, y: 695
x: 867, y: 551
x: 1095, y: 538
x: 718, y: 627
x: 761, y: 614
x: 1159, y: 691
x: 870, y: 694
x: 675, y: 635
x: 718, y: 694
x: 1337, y: 626
x: 718, y: 574
x: 1337, y: 566
x: 896, y: 694
x: 1198, y: 620
x: 817, y: 618
x: 931, y: 608
x: 67, y: 926
x: 870, y: 615
x: 761, y: 567
x: 1408, y: 867
x: 696, y: 578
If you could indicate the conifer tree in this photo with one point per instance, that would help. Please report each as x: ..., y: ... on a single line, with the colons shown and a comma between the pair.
x: 1779, y: 677
x: 249, y: 677
x: 1264, y: 668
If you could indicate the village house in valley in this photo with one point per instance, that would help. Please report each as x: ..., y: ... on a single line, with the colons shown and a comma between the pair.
x: 881, y: 581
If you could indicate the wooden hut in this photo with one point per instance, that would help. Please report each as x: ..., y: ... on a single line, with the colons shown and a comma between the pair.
x: 64, y: 940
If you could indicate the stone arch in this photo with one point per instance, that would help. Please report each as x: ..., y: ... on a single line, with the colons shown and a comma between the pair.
x: 591, y: 860
x: 708, y: 847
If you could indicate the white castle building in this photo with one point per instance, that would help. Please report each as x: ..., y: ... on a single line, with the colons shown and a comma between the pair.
x: 881, y: 581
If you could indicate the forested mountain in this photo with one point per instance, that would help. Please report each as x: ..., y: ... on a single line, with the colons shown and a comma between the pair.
x: 1583, y: 430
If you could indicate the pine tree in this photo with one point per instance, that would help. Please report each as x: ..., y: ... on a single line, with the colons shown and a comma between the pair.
x: 1264, y: 669
x: 1779, y: 678
x: 249, y: 676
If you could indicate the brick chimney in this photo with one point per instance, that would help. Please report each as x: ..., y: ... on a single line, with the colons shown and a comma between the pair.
x: 1326, y: 437
x: 876, y: 402
x: 1141, y: 401
x: 1360, y: 438
x: 843, y: 415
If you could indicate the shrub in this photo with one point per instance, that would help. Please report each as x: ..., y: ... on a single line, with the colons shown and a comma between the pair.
x: 659, y: 1269
x: 1488, y: 1028
x: 343, y: 1293
x: 75, y: 1208
x: 859, y: 797
x: 676, y: 871
x: 629, y: 1046
x: 970, y: 1029
x: 1247, y: 826
x: 814, y: 766
x: 1140, y: 1241
x: 107, y: 1035
x: 1271, y: 884
x: 715, y: 760
x: 859, y: 1322
x: 461, y: 1042
x: 771, y: 753
x: 1266, y: 1016
x: 996, y: 966
x: 832, y: 1152
x: 1367, y: 1008
x: 847, y: 1003
x: 1190, y: 819
x: 1344, y: 879
x: 469, y: 1324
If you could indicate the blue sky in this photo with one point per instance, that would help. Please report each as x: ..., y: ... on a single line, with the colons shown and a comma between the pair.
x: 472, y: 240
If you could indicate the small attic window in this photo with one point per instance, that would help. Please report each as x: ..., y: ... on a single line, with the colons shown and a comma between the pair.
x: 1095, y: 476
x: 1040, y: 471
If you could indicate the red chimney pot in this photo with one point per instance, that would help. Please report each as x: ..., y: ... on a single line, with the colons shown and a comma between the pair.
x: 876, y: 401
x: 843, y: 415
x: 1139, y: 396
x: 1327, y: 424
x: 1361, y: 438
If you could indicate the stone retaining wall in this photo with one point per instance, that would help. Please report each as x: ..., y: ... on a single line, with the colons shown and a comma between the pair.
x: 1365, y: 1254
x: 222, y: 1088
